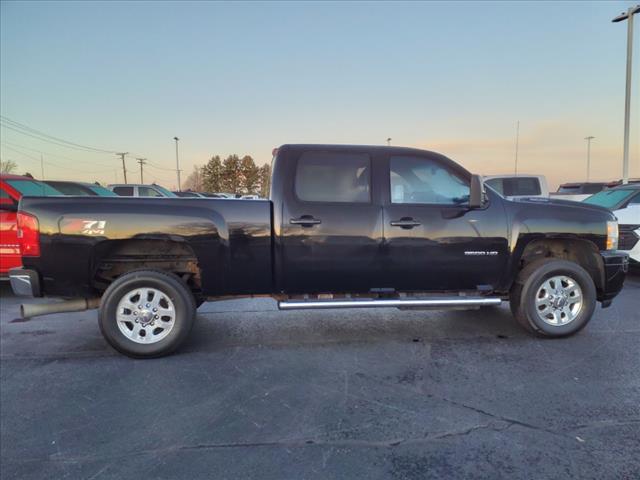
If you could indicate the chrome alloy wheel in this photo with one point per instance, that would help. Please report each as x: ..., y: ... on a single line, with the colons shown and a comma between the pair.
x: 145, y: 315
x: 559, y: 300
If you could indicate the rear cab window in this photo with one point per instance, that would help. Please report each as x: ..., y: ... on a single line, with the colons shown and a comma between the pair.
x: 124, y: 191
x: 333, y: 177
x: 516, y: 186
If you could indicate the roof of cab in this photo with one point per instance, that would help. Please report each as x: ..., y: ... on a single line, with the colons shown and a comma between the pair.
x: 382, y: 149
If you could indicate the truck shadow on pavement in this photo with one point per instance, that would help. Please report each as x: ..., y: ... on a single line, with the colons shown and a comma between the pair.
x: 257, y: 322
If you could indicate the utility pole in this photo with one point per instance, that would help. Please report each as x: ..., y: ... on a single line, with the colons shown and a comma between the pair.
x: 141, y: 161
x: 588, y: 139
x: 517, y: 143
x: 177, y: 163
x: 628, y: 16
x: 42, y: 166
x: 124, y: 167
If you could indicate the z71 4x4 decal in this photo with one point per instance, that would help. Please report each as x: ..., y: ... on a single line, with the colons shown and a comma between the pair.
x: 82, y: 226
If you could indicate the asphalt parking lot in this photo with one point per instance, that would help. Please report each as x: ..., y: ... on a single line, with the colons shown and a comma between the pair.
x: 382, y: 394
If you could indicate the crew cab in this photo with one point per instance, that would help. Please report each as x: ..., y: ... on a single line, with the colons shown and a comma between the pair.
x: 12, y: 188
x: 345, y: 227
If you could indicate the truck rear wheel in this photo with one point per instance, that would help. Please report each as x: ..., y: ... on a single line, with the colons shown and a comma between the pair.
x: 147, y: 313
x: 553, y: 298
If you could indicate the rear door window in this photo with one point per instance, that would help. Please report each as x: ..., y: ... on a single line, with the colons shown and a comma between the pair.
x: 124, y: 191
x: 333, y: 177
x: 148, y: 192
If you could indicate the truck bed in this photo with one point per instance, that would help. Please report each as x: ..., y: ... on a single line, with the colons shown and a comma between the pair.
x: 231, y: 239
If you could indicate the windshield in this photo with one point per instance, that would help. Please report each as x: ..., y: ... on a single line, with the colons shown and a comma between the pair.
x: 164, y: 191
x: 32, y: 187
x: 103, y: 192
x: 610, y: 198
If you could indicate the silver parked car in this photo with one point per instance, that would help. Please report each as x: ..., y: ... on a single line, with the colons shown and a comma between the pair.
x: 140, y: 190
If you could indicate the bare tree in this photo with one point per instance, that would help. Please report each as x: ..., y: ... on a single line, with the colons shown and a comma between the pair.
x: 194, y: 181
x: 7, y: 166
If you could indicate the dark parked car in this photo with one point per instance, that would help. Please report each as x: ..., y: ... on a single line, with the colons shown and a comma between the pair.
x: 80, y: 188
x: 579, y: 191
x: 345, y: 227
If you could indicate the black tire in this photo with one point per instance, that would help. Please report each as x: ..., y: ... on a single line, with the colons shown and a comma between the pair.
x: 523, y: 296
x: 168, y: 284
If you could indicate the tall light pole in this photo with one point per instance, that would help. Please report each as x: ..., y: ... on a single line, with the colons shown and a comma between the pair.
x: 517, y: 144
x: 588, y: 139
x: 177, y: 163
x: 628, y: 15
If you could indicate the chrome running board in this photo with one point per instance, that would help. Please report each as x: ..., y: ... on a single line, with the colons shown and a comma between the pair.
x: 434, y: 302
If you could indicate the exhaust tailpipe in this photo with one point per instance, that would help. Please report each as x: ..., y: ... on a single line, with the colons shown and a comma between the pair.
x: 30, y: 310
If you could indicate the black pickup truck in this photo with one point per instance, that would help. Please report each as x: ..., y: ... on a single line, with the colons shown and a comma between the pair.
x: 345, y: 227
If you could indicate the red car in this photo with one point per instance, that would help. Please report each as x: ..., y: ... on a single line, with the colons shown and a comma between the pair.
x: 12, y: 187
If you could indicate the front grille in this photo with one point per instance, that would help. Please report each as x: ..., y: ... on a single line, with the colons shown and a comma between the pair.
x: 628, y: 237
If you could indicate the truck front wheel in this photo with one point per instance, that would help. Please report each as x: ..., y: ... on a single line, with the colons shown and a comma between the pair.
x: 147, y: 313
x: 553, y: 298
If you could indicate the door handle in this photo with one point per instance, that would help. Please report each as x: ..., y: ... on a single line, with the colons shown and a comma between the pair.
x: 305, y: 221
x: 406, y: 223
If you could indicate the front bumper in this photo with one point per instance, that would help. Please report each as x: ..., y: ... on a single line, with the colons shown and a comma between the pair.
x: 25, y: 283
x: 616, y: 266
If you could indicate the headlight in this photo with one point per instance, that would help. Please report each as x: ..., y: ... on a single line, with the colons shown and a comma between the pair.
x: 612, y: 235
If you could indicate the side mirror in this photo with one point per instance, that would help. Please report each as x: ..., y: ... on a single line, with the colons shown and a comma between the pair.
x: 476, y: 193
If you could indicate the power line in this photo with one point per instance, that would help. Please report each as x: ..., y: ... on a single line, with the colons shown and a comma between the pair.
x: 23, y: 129
x: 37, y: 159
x: 37, y: 150
x: 21, y: 126
x: 161, y: 168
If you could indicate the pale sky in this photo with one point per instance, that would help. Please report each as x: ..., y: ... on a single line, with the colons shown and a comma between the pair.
x: 246, y: 77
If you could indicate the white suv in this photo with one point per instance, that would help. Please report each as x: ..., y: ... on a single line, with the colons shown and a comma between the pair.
x: 140, y: 190
x: 624, y: 201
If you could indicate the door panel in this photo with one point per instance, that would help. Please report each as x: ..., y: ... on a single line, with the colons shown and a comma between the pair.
x: 331, y: 229
x: 445, y: 245
x: 443, y: 253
